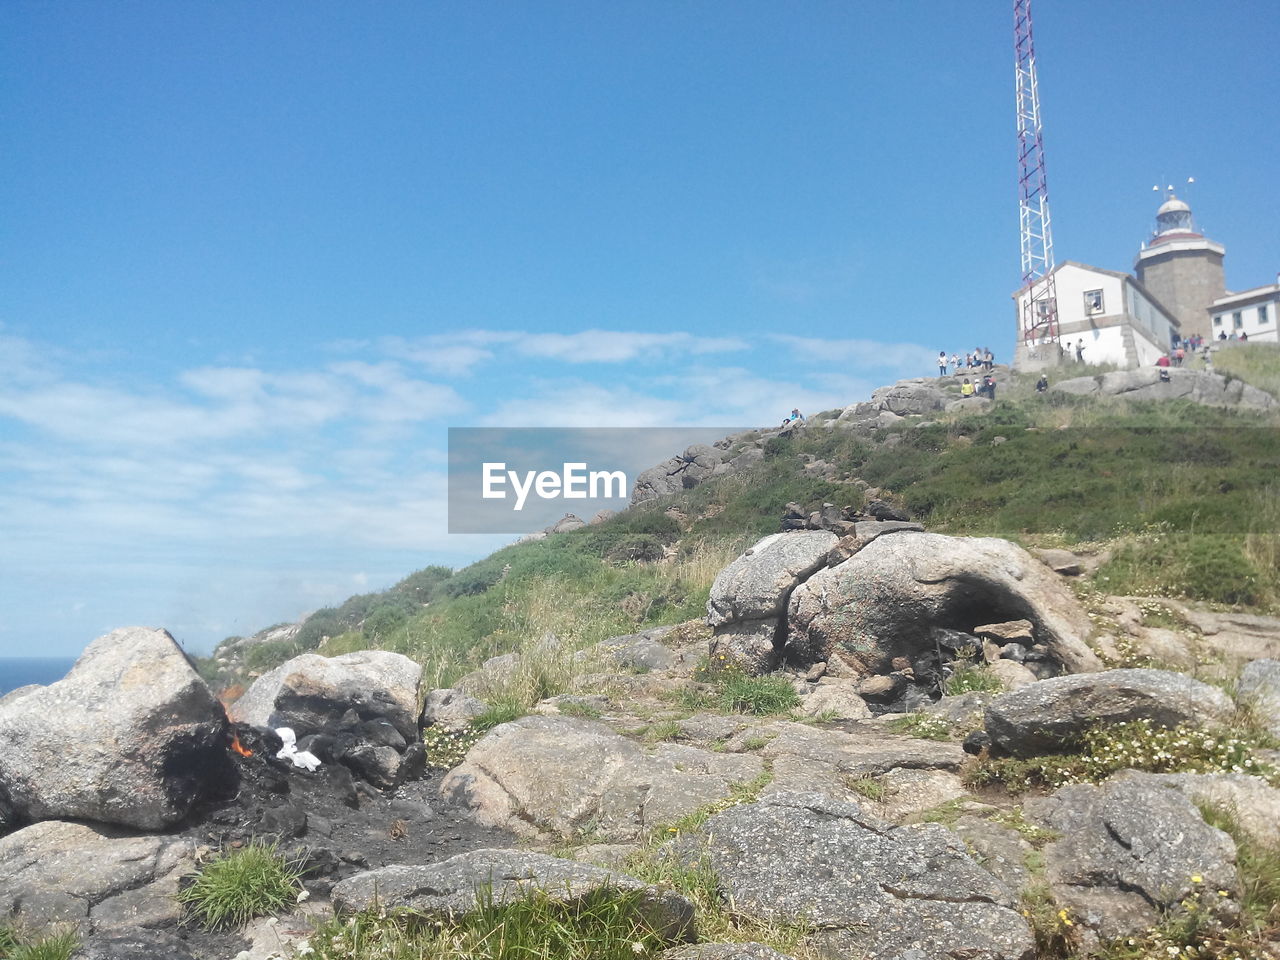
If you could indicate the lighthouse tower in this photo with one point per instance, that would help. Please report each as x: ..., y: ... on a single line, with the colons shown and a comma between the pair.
x: 1181, y: 268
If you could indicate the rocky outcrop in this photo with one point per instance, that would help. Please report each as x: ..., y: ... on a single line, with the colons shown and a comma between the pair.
x: 870, y: 889
x: 449, y: 889
x: 130, y: 736
x: 1041, y: 717
x: 1129, y: 851
x: 554, y: 776
x: 311, y: 693
x: 886, y: 600
x: 636, y: 652
x: 1198, y: 386
x: 699, y: 462
x: 57, y: 872
x: 911, y: 397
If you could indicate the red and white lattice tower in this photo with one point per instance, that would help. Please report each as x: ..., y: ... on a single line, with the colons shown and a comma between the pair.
x: 1039, y: 302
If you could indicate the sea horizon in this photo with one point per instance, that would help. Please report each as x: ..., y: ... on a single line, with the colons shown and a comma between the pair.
x: 18, y: 672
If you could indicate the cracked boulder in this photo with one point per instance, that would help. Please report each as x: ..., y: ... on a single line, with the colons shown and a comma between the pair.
x: 871, y: 890
x: 1130, y: 850
x: 699, y: 462
x: 890, y: 599
x: 311, y: 693
x: 555, y: 776
x: 449, y: 888
x: 59, y: 872
x: 130, y: 736
x: 1038, y: 718
x: 749, y: 597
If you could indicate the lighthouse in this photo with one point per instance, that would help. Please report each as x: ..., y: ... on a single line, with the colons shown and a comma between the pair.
x: 1182, y: 268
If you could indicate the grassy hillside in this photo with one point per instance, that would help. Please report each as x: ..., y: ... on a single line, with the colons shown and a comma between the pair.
x: 1186, y: 498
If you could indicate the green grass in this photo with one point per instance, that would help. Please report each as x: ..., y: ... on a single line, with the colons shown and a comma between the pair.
x: 608, y: 924
x: 739, y: 693
x: 1255, y: 363
x: 1259, y: 866
x: 873, y: 788
x: 971, y: 678
x: 50, y: 946
x: 241, y: 884
x: 495, y: 713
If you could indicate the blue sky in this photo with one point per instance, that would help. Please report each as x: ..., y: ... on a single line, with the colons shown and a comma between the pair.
x: 255, y: 258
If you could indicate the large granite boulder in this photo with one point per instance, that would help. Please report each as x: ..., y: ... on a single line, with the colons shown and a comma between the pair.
x: 1259, y: 690
x: 130, y: 736
x: 886, y: 600
x: 311, y: 693
x: 1040, y: 717
x: 1144, y: 383
x: 757, y: 584
x: 869, y: 889
x: 96, y: 878
x: 1128, y: 851
x: 554, y: 776
x: 749, y: 597
x: 450, y: 709
x: 450, y: 888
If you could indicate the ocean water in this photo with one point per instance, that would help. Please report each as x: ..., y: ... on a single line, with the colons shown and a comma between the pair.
x: 19, y: 671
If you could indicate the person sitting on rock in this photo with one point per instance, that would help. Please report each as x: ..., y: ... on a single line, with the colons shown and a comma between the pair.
x: 1042, y: 384
x: 966, y: 388
x: 1164, y: 375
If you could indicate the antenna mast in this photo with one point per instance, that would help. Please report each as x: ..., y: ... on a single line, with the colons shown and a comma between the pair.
x: 1039, y: 320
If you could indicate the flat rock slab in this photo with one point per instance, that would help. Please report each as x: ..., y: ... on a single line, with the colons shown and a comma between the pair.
x: 449, y: 889
x: 1129, y: 850
x: 1039, y: 717
x: 554, y: 776
x: 311, y: 693
x: 53, y: 872
x: 865, y: 749
x: 130, y: 736
x: 135, y: 945
x: 723, y: 951
x: 872, y: 891
x: 1253, y: 802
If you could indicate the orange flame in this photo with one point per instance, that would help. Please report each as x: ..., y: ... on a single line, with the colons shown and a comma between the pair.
x: 239, y: 748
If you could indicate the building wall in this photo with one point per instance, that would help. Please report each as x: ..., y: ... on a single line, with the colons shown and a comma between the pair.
x: 1186, y: 281
x: 1251, y: 320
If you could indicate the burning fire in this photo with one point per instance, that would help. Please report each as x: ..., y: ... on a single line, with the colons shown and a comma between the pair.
x: 238, y: 747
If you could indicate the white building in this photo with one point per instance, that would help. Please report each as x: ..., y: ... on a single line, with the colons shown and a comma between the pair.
x: 1249, y: 312
x: 1107, y: 312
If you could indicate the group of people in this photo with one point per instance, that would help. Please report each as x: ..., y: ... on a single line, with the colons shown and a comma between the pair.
x: 980, y: 359
x: 984, y: 386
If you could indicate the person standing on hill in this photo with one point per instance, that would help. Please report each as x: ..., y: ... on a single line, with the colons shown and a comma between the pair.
x: 1080, y: 350
x: 966, y: 388
x: 942, y: 363
x: 990, y: 384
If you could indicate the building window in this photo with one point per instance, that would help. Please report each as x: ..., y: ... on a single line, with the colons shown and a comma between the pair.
x: 1262, y: 314
x: 1237, y: 320
x: 1217, y: 321
x: 1092, y: 302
